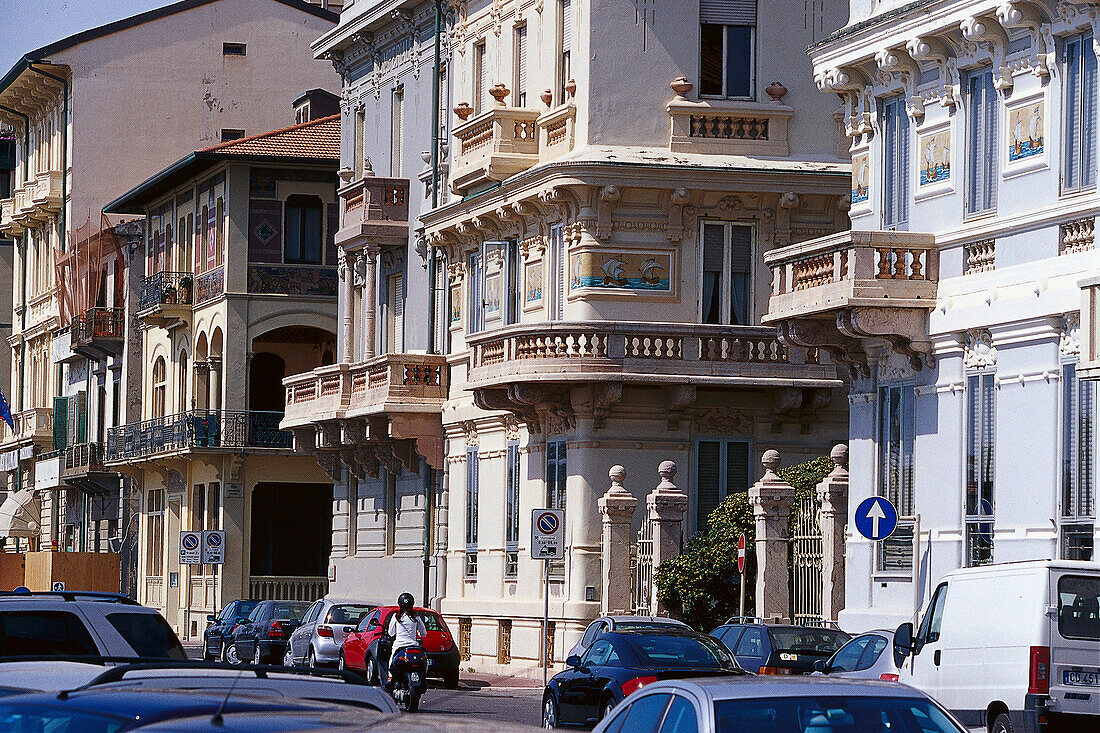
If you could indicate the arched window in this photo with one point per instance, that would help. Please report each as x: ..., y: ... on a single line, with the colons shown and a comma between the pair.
x: 159, y: 386
x: 219, y: 232
x: 302, y: 230
x: 182, y: 388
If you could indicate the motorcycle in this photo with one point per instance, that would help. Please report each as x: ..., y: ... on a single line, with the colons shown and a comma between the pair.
x: 409, y: 680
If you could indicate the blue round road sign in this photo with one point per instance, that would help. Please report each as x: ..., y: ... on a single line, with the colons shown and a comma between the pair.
x: 876, y: 518
x: 190, y: 541
x: 548, y: 523
x: 213, y: 539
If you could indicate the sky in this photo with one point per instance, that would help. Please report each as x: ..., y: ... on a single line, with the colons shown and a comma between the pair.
x: 29, y: 24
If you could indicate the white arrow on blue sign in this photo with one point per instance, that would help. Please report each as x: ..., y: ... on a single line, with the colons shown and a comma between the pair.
x: 876, y: 518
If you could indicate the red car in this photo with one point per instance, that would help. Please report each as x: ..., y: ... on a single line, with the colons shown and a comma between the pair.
x: 360, y: 650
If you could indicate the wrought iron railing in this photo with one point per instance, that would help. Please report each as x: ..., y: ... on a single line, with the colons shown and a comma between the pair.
x: 197, y: 429
x: 166, y: 288
x: 84, y: 458
x: 287, y: 587
x: 97, y: 324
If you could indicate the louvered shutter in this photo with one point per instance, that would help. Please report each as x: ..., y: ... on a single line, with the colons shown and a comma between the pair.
x: 991, y: 151
x: 903, y: 164
x: 512, y: 516
x: 1088, y: 113
x: 482, y: 79
x: 728, y: 12
x: 1072, y: 145
x: 520, y: 96
x: 471, y: 497
x: 709, y: 476
x: 741, y: 249
x: 60, y: 422
x: 397, y: 300
x: 737, y: 468
x: 558, y: 283
x: 566, y: 26
x: 978, y: 146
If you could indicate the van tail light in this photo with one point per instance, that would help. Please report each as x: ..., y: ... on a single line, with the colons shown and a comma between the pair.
x: 1038, y: 675
x: 888, y: 676
x: 446, y: 643
x: 636, y: 684
x: 774, y: 670
x: 275, y: 631
x: 325, y: 631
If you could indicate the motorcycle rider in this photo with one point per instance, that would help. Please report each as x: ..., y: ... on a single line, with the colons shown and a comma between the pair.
x: 404, y: 629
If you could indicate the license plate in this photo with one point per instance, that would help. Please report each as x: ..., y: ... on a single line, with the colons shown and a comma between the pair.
x: 1080, y: 679
x: 414, y: 678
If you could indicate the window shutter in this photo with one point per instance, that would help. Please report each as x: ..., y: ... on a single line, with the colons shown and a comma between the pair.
x: 521, y: 65
x: 60, y: 422
x: 482, y: 78
x: 713, y: 247
x: 397, y: 308
x: 1088, y: 113
x: 1072, y: 147
x: 902, y: 190
x: 728, y: 12
x: 709, y: 478
x: 737, y: 468
x: 471, y: 497
x: 566, y: 25
x: 741, y: 249
x: 993, y: 143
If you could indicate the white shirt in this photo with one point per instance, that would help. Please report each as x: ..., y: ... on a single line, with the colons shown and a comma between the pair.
x: 405, y: 629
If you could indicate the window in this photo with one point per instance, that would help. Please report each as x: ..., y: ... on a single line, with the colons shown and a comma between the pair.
x: 555, y: 273
x: 556, y: 480
x: 847, y: 659
x: 391, y: 512
x: 680, y: 717
x: 1078, y: 446
x: 511, y: 514
x: 981, y: 164
x: 930, y: 627
x: 980, y: 439
x: 895, y: 171
x: 159, y: 387
x: 511, y: 282
x: 565, y: 69
x: 213, y: 505
x: 219, y: 232
x: 360, y: 125
x: 726, y: 61
x: 727, y: 273
x: 234, y: 49
x: 397, y: 131
x: 645, y: 714
x: 481, y: 79
x: 154, y: 532
x: 302, y: 231
x: 198, y: 507
x: 1079, y: 607
x: 519, y: 84
x: 228, y: 134
x: 751, y: 644
x: 897, y: 428
x: 147, y: 634
x: 476, y: 275
x: 1079, y: 146
x: 44, y: 633
x: 472, y: 477
x: 395, y: 313
x: 722, y: 468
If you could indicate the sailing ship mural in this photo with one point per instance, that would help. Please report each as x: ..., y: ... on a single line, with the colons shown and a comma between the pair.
x: 631, y: 271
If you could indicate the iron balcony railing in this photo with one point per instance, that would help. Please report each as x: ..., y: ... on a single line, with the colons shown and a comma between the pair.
x: 166, y: 288
x: 82, y: 458
x: 97, y: 324
x: 197, y: 430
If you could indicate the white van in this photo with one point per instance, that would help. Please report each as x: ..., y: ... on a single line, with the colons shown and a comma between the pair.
x: 1012, y: 647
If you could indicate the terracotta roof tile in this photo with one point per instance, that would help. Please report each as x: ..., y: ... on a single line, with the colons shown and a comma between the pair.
x: 316, y: 139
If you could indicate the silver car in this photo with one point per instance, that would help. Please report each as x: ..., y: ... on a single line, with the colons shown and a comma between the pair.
x: 866, y: 657
x: 777, y: 705
x: 318, y: 639
x: 621, y: 623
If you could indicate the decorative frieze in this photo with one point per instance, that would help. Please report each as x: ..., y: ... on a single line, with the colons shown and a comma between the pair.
x: 978, y: 350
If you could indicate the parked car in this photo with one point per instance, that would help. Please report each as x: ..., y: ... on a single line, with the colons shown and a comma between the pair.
x: 778, y: 648
x: 622, y: 623
x: 360, y: 650
x: 321, y: 635
x: 217, y: 640
x: 779, y: 705
x: 867, y: 656
x: 1013, y: 646
x: 621, y: 662
x: 263, y: 636
x: 74, y: 624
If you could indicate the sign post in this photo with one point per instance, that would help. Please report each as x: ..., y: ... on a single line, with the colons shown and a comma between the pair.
x: 741, y: 569
x: 547, y: 543
x: 213, y: 553
x: 190, y: 554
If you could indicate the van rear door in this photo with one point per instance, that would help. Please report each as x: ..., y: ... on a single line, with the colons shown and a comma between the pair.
x: 1075, y: 641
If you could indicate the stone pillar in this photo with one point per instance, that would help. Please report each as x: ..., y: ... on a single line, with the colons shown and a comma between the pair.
x: 832, y: 492
x: 617, y: 510
x: 666, y: 505
x: 771, y: 499
x: 347, y: 304
x: 370, y: 299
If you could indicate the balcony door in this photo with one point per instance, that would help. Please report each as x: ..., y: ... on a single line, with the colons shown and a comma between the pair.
x: 726, y: 274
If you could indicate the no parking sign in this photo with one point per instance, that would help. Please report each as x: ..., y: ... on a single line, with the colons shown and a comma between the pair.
x: 213, y: 546
x: 548, y: 534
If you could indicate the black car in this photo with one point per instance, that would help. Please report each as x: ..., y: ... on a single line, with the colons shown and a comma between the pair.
x: 620, y: 662
x: 218, y: 637
x: 778, y: 648
x: 262, y: 637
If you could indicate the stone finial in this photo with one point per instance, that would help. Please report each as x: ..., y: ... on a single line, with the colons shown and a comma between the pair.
x: 839, y: 454
x: 770, y: 461
x: 617, y: 474
x: 776, y: 91
x: 346, y: 174
x: 547, y: 96
x: 680, y: 85
x: 463, y: 110
x: 667, y: 470
x: 499, y: 92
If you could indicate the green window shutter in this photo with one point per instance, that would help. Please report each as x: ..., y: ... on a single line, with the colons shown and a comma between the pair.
x: 60, y: 422
x: 81, y: 417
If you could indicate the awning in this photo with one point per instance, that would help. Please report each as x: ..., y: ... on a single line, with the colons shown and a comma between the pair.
x: 20, y: 515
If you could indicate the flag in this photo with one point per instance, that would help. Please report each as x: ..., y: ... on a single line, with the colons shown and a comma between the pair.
x: 5, y: 411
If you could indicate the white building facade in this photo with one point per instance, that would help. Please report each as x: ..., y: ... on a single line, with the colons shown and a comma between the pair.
x: 955, y: 299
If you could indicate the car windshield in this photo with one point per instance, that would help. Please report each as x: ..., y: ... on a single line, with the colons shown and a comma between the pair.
x: 821, y: 641
x: 1079, y: 607
x: 245, y: 608
x: 660, y: 650
x: 27, y: 717
x: 288, y: 611
x: 147, y: 634
x: 634, y: 625
x: 821, y: 714
x: 348, y: 613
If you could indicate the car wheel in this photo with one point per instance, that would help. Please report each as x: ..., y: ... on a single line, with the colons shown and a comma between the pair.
x: 372, y: 672
x: 256, y: 658
x: 231, y: 654
x: 608, y: 706
x: 340, y: 663
x: 1002, y: 724
x: 550, y: 714
x: 288, y: 658
x: 450, y: 680
x: 311, y: 659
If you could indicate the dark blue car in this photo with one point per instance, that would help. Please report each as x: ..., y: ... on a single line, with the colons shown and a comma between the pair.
x: 218, y: 637
x: 779, y: 648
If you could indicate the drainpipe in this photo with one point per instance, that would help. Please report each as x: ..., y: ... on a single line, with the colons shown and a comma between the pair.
x: 436, y: 142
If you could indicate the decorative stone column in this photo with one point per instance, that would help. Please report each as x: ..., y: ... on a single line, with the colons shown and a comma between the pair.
x: 370, y: 299
x: 771, y: 499
x: 616, y: 509
x: 666, y: 505
x: 832, y: 492
x: 347, y: 298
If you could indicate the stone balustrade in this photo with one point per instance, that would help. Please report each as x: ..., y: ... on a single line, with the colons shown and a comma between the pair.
x: 729, y: 127
x: 374, y: 208
x: 494, y: 145
x: 980, y: 256
x: 1075, y: 236
x: 35, y: 424
x: 8, y: 225
x: 48, y: 194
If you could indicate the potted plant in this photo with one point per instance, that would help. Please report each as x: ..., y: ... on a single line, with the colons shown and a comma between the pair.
x: 168, y: 293
x: 185, y: 290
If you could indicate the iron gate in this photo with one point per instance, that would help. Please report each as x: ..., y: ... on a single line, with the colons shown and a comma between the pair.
x: 806, y: 561
x: 641, y: 570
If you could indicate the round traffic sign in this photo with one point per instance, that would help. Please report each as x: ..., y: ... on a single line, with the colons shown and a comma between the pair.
x: 548, y: 523
x: 876, y: 518
x: 190, y: 541
x: 213, y: 540
x: 741, y: 553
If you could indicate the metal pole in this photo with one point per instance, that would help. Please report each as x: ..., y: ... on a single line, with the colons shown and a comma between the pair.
x: 741, y: 608
x: 545, y: 620
x: 916, y: 569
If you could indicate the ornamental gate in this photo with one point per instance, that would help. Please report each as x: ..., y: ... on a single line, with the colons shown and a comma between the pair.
x: 806, y: 561
x: 641, y: 570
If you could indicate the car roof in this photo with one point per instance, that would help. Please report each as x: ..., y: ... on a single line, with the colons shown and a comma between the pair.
x: 724, y: 688
x: 651, y: 619
x: 671, y: 630
x: 349, y: 602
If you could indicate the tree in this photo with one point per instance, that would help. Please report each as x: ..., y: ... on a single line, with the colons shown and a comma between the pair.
x: 701, y: 586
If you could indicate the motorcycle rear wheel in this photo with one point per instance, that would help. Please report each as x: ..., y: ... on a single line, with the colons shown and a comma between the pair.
x: 410, y: 701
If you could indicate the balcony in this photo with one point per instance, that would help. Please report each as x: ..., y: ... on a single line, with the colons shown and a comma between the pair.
x: 196, y: 431
x: 729, y: 128
x: 556, y: 132
x: 33, y: 426
x: 8, y: 225
x: 387, y: 403
x: 851, y: 290
x: 494, y: 145
x: 374, y: 209
x: 166, y: 298
x: 84, y: 468
x: 48, y: 196
x: 98, y: 332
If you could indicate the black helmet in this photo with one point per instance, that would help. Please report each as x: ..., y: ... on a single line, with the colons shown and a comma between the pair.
x: 405, y: 601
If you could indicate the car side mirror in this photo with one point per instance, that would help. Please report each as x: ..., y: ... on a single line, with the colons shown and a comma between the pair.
x: 821, y: 666
x: 573, y: 661
x: 242, y: 620
x: 349, y: 629
x: 211, y: 617
x: 903, y: 643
